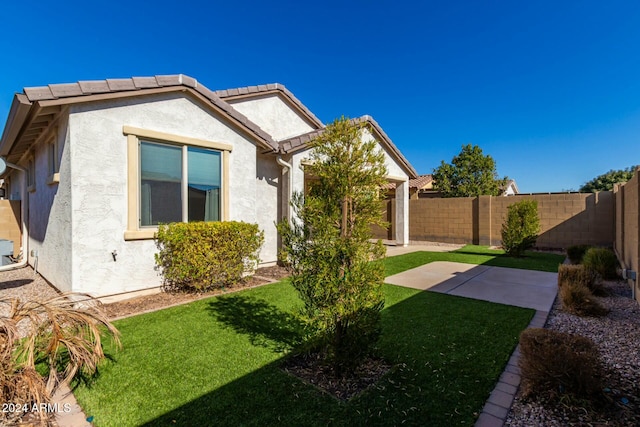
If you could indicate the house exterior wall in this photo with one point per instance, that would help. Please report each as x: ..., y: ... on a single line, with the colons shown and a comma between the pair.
x: 267, y: 202
x: 48, y: 207
x: 98, y: 161
x: 627, y: 228
x: 273, y: 115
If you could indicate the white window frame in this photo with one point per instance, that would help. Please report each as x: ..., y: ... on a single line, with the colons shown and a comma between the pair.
x: 31, y: 173
x: 134, y: 137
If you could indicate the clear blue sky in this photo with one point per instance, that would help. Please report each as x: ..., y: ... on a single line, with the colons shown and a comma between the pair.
x: 550, y: 89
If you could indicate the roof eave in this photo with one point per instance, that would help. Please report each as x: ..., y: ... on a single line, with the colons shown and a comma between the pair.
x: 18, y: 114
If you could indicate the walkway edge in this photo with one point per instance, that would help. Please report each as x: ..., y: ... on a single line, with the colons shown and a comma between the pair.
x: 495, y: 410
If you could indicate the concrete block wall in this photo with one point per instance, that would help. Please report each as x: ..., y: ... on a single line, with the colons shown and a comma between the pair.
x: 565, y: 219
x: 627, y: 227
x: 10, y: 223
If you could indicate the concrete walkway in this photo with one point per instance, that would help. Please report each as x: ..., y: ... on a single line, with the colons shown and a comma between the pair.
x: 522, y: 288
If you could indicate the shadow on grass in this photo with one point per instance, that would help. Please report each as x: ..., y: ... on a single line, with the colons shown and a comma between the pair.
x: 448, y: 353
x: 265, y: 324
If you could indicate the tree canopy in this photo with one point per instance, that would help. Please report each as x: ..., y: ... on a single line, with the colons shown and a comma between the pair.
x: 470, y: 173
x: 606, y: 181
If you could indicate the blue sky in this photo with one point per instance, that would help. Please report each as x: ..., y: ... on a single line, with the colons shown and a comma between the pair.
x: 550, y: 89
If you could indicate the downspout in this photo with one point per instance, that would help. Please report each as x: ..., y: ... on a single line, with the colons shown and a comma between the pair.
x: 23, y: 210
x: 287, y: 168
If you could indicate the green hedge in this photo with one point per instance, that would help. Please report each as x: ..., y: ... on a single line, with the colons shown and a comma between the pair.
x: 204, y: 255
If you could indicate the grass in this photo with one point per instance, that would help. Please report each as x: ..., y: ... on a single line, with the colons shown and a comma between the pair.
x: 471, y: 254
x: 216, y: 362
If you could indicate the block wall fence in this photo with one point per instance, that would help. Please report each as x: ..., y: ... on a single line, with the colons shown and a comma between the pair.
x: 10, y: 223
x: 627, y: 230
x: 565, y: 219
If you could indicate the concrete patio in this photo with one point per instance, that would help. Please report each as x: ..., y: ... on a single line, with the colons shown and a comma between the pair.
x: 521, y: 288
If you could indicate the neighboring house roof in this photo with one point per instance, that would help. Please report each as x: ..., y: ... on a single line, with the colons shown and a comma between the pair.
x: 300, y: 142
x: 510, y: 184
x: 418, y: 183
x: 231, y: 95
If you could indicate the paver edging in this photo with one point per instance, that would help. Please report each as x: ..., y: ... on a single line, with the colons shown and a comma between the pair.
x: 495, y: 411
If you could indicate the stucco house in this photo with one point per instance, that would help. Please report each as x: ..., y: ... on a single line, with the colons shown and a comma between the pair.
x: 96, y: 165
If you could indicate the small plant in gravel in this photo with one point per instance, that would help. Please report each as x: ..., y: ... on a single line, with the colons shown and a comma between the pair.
x: 63, y: 340
x: 554, y: 364
x: 576, y: 253
x: 603, y: 261
x: 520, y: 229
x: 575, y: 295
x: 579, y: 275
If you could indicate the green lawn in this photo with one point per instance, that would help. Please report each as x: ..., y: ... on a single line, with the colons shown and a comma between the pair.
x: 471, y: 254
x: 216, y: 362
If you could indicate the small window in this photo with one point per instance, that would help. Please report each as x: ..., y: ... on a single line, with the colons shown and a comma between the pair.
x: 31, y: 175
x: 53, y: 160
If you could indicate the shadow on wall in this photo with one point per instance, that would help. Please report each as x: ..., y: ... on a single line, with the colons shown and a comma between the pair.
x: 592, y: 225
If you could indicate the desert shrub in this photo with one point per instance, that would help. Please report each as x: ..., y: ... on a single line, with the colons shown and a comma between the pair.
x: 63, y: 339
x: 553, y: 363
x: 576, y: 253
x: 602, y: 260
x: 202, y: 255
x: 579, y: 300
x: 576, y: 275
x: 520, y: 229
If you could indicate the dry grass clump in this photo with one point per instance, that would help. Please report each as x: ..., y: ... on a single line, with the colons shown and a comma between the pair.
x: 63, y: 338
x: 603, y: 261
x: 577, y: 286
x: 555, y: 363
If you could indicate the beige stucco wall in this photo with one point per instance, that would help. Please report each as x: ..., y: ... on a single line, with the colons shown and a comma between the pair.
x: 274, y: 115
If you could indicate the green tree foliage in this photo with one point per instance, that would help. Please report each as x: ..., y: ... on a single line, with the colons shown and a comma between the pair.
x: 520, y: 230
x: 606, y: 181
x: 470, y: 173
x: 336, y: 270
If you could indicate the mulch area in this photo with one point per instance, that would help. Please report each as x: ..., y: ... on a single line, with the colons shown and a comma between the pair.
x: 147, y: 303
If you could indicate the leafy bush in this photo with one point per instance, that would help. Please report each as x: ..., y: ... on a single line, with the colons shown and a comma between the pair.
x: 553, y: 363
x: 575, y: 294
x: 62, y: 340
x: 203, y: 255
x: 520, y: 230
x: 576, y: 253
x: 603, y: 261
x: 579, y: 275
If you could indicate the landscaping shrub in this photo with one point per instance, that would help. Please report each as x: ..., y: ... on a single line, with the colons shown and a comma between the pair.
x: 62, y: 341
x: 554, y: 363
x: 576, y: 275
x: 576, y: 253
x: 520, y: 230
x: 203, y: 255
x: 575, y: 295
x: 603, y: 261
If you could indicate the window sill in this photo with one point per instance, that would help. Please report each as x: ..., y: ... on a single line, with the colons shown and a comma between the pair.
x: 31, y: 189
x: 53, y: 179
x: 140, y: 234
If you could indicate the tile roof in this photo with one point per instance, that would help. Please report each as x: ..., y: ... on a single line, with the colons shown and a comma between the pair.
x: 300, y: 142
x: 246, y: 92
x: 139, y: 84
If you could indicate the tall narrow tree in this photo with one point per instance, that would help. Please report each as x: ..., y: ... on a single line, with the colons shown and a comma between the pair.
x: 337, y: 270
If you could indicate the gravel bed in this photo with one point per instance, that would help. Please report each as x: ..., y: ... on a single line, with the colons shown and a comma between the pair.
x: 617, y: 336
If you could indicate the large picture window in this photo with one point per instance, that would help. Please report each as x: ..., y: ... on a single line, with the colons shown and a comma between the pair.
x: 174, y: 178
x: 174, y: 190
